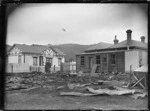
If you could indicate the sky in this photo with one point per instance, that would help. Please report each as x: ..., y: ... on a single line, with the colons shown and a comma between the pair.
x: 83, y: 24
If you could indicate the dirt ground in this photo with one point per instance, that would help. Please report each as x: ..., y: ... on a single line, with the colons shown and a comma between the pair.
x: 47, y: 96
x: 50, y: 101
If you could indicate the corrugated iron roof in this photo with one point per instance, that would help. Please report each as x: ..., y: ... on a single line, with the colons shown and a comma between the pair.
x: 132, y: 43
x: 101, y: 45
x: 89, y: 53
x: 36, y: 49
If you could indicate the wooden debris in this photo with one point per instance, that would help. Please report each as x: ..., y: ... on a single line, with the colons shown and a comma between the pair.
x: 72, y: 86
x: 137, y: 96
x: 60, y: 87
x: 76, y: 94
x: 111, y: 92
x: 93, y: 70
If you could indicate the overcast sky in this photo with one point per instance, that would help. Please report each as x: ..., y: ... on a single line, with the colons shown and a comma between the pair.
x: 75, y: 23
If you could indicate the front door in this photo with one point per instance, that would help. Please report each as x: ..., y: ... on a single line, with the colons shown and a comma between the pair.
x: 48, y: 64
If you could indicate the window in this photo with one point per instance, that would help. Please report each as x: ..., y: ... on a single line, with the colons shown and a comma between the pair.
x: 41, y: 60
x: 112, y: 58
x: 104, y: 59
x: 49, y: 60
x: 59, y: 61
x: 82, y: 60
x: 19, y: 58
x: 34, y: 61
x: 98, y: 60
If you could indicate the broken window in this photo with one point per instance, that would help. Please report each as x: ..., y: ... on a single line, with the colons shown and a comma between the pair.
x: 19, y: 58
x: 112, y: 58
x: 82, y: 60
x: 34, y: 61
x: 98, y: 60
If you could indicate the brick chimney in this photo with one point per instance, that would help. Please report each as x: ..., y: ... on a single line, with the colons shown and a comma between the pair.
x: 129, y: 35
x: 143, y: 39
x: 116, y: 40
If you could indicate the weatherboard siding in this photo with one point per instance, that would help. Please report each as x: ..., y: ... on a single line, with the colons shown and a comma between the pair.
x: 55, y: 62
x: 104, y: 66
x: 13, y: 59
x: 29, y: 59
x: 119, y: 62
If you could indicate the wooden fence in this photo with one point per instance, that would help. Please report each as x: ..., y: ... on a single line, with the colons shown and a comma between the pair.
x: 19, y: 68
x: 68, y: 67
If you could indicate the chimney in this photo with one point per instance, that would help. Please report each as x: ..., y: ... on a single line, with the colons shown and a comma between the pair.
x: 116, y: 40
x: 129, y: 32
x: 143, y: 39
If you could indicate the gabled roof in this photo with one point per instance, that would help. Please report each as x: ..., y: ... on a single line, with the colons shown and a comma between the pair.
x: 58, y: 51
x: 36, y: 49
x: 133, y: 43
x: 101, y: 45
x: 30, y: 48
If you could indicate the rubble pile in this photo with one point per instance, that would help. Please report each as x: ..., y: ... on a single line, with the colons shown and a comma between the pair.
x: 72, y: 84
x: 22, y: 81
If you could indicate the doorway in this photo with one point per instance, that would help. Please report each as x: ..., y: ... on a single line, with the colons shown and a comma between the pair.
x: 48, y: 64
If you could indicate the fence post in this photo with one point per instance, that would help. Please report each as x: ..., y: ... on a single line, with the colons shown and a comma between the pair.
x: 12, y: 68
x: 130, y: 77
x: 61, y: 67
x: 54, y: 68
x: 30, y: 68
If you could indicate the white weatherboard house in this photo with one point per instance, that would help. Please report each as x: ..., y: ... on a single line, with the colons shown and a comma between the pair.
x: 35, y: 55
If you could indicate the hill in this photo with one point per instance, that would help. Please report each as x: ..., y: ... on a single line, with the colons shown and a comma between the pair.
x: 71, y: 50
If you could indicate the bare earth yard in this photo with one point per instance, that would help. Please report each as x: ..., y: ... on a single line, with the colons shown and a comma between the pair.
x: 46, y: 95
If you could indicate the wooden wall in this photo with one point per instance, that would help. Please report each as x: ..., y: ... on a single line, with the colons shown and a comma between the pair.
x: 119, y: 65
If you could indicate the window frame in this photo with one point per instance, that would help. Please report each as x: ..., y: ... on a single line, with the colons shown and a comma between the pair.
x: 41, y: 61
x: 113, y: 59
x: 82, y: 60
x: 50, y: 60
x: 19, y: 59
x: 98, y: 59
x: 35, y: 58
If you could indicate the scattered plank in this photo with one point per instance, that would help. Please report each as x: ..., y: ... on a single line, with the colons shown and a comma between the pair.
x: 137, y: 96
x: 76, y: 94
x: 111, y: 92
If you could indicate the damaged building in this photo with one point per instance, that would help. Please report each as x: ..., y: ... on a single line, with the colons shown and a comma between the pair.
x: 118, y: 57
